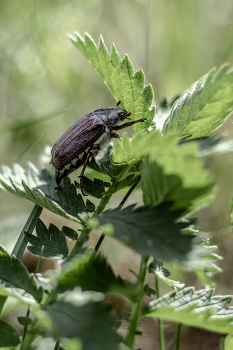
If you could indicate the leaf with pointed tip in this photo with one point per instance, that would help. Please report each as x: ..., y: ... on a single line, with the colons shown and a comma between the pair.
x: 202, y: 261
x: 197, y: 309
x: 53, y: 240
x: 93, y: 188
x: 14, y: 272
x: 204, y: 106
x: 92, y: 272
x: 69, y: 232
x: 9, y: 336
x: 150, y: 231
x: 156, y: 267
x: 90, y: 322
x: 39, y: 189
x: 175, y: 173
x: 126, y: 85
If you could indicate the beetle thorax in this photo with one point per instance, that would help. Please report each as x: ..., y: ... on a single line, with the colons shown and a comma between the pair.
x: 110, y: 116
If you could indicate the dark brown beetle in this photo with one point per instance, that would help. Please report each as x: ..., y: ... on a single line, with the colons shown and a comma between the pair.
x: 85, y: 138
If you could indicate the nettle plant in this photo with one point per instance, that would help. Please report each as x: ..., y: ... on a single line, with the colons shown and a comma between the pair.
x: 67, y: 310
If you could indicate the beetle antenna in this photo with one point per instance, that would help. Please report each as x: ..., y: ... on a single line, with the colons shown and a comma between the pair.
x: 118, y: 103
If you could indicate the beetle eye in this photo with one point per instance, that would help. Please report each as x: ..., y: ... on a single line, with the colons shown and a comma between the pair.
x: 121, y: 115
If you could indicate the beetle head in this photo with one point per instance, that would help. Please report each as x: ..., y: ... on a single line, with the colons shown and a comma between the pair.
x: 123, y: 114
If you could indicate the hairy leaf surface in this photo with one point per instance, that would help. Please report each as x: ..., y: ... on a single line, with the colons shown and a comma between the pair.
x: 126, y: 85
x: 92, y: 272
x: 91, y: 323
x: 150, y: 231
x: 204, y: 106
x: 197, y: 309
x: 14, y: 272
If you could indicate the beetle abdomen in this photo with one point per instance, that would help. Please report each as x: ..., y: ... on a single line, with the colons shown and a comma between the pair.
x: 78, y: 138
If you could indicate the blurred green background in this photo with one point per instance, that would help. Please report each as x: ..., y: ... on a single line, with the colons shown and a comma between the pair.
x: 46, y: 84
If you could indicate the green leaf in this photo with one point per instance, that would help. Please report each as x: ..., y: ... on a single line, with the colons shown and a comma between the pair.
x: 175, y: 173
x: 228, y: 344
x: 126, y: 85
x: 202, y: 261
x: 91, y: 323
x: 69, y: 232
x: 24, y: 320
x: 93, y: 188
x: 53, y: 240
x: 9, y: 336
x: 150, y: 231
x: 204, y: 106
x: 14, y: 272
x: 92, y: 272
x: 40, y: 190
x: 198, y: 309
x: 72, y: 344
x: 156, y: 267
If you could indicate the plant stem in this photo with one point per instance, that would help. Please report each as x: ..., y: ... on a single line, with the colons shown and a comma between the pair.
x: 147, y: 40
x: 39, y: 261
x: 26, y: 327
x: 160, y: 326
x: 86, y: 231
x: 98, y: 244
x: 21, y: 243
x: 178, y: 336
x: 135, y: 314
x: 56, y: 347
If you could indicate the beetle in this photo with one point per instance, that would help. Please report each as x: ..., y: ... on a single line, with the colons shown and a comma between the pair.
x: 85, y: 139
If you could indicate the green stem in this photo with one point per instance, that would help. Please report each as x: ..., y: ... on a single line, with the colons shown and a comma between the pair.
x: 160, y: 326
x: 98, y: 244
x: 26, y: 327
x: 135, y: 313
x: 21, y: 243
x: 178, y: 336
x: 86, y: 231
x: 57, y: 345
x: 39, y: 261
x: 147, y: 40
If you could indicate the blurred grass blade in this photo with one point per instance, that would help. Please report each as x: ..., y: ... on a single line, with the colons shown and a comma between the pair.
x: 20, y: 124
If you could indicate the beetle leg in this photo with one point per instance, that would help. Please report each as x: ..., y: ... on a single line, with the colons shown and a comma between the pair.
x: 93, y: 151
x: 119, y: 127
x: 116, y: 136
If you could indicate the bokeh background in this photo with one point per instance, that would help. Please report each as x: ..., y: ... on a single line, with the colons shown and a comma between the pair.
x: 46, y: 84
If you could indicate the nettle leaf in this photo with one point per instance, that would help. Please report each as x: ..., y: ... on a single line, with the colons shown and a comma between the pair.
x: 202, y: 260
x: 70, y: 233
x: 39, y: 189
x: 93, y: 188
x: 126, y: 85
x: 14, y: 272
x: 156, y: 267
x: 91, y: 323
x: 53, y: 240
x: 204, y: 106
x: 150, y: 231
x: 175, y: 173
x: 92, y: 272
x: 197, y: 309
x: 9, y: 336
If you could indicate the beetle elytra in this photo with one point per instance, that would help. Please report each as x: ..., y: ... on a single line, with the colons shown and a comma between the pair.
x: 86, y: 138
